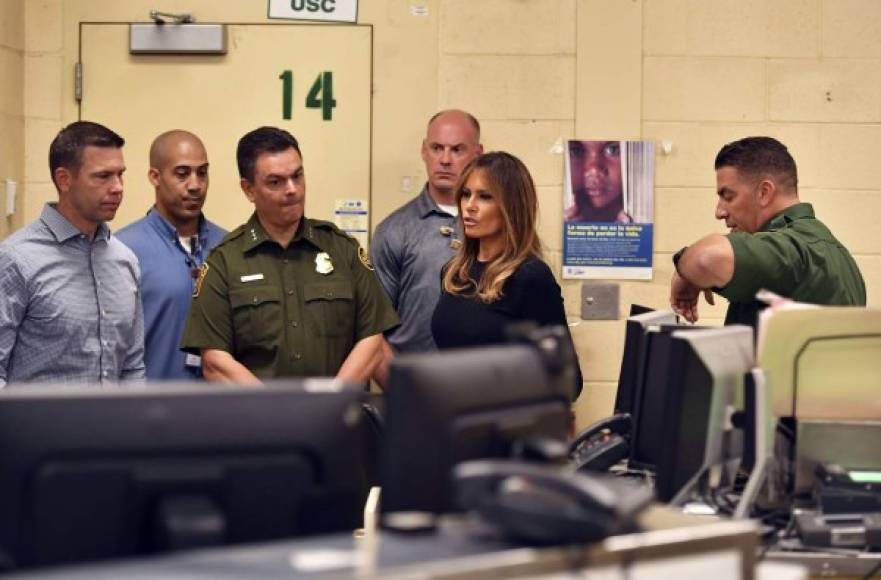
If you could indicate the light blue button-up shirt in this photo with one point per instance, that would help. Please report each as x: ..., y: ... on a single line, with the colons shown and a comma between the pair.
x: 70, y: 309
x: 167, y: 289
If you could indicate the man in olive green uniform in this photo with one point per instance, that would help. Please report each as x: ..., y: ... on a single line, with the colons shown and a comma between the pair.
x: 284, y: 295
x: 775, y: 243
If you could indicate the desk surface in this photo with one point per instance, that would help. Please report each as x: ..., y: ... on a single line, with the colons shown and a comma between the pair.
x: 451, y: 551
x: 320, y: 557
x: 826, y: 564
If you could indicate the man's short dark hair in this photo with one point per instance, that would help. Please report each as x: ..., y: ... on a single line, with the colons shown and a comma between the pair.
x: 262, y: 140
x: 760, y: 156
x: 66, y: 149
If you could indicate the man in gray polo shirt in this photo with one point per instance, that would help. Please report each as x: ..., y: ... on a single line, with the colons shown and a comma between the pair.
x: 411, y: 245
x: 71, y: 311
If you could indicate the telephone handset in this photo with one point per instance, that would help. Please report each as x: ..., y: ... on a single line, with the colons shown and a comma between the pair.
x: 548, y: 505
x: 602, y: 444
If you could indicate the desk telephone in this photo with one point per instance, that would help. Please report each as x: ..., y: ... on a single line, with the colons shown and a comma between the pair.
x: 602, y: 444
x: 544, y: 504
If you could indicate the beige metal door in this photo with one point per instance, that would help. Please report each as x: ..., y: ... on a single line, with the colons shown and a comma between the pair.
x: 269, y: 71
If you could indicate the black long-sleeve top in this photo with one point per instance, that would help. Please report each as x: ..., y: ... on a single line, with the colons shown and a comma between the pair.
x: 530, y: 294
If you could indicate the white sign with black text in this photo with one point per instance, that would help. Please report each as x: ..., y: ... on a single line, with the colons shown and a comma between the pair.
x: 327, y: 10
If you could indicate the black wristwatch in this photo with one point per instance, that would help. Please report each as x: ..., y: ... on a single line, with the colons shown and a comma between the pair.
x: 676, y: 257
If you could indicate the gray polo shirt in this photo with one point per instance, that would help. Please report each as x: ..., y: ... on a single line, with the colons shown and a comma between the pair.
x: 408, y: 250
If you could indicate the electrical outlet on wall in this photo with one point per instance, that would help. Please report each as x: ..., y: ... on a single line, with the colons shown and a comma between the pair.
x: 600, y: 301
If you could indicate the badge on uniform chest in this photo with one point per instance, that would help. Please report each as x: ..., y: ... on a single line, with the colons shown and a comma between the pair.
x: 323, y: 265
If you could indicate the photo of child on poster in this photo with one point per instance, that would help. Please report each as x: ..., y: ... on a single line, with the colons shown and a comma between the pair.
x: 608, y: 207
x: 595, y: 177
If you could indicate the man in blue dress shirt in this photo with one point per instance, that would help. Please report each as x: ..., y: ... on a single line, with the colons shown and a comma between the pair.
x: 171, y: 243
x: 70, y: 310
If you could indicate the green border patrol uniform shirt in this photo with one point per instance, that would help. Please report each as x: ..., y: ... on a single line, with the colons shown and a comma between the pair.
x: 282, y: 312
x: 793, y: 255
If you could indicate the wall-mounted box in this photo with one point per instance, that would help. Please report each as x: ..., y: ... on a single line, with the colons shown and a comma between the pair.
x: 169, y: 38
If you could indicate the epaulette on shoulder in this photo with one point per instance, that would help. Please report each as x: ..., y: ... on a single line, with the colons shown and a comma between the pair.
x: 326, y: 225
x: 235, y: 234
x: 333, y: 229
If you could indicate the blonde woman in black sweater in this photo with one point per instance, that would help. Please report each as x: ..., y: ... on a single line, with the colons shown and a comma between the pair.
x: 498, y: 276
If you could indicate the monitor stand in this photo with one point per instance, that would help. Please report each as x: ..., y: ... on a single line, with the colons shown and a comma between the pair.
x: 185, y: 522
x: 755, y: 387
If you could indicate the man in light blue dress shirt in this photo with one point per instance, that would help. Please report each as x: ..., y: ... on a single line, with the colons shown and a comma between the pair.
x: 70, y: 310
x: 171, y: 243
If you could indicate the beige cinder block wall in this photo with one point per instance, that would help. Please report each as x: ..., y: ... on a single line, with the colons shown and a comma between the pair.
x: 696, y: 72
x: 11, y: 104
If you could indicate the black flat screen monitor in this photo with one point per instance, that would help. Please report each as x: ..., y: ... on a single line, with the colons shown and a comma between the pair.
x: 90, y: 473
x: 634, y: 356
x: 456, y: 405
x: 704, y: 385
x: 651, y: 394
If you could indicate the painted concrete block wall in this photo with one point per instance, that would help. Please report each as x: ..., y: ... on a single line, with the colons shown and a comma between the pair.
x: 11, y: 102
x: 699, y: 73
x: 47, y: 74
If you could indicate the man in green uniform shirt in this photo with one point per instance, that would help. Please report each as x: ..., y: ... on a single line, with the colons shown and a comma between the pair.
x: 775, y: 243
x: 284, y: 295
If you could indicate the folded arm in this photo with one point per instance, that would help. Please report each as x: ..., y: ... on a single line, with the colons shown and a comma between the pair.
x: 363, y: 360
x: 706, y: 264
x: 220, y: 366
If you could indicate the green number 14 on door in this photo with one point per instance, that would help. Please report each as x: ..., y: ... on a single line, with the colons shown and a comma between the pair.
x: 320, y: 96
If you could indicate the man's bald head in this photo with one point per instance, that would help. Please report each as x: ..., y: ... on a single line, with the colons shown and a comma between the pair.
x: 179, y: 172
x: 451, y: 141
x: 167, y: 142
x: 457, y: 116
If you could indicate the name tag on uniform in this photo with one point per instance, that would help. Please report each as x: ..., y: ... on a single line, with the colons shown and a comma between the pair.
x: 252, y: 277
x: 193, y: 360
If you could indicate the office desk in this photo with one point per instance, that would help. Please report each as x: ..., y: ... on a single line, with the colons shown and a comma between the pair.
x: 825, y: 564
x: 450, y: 552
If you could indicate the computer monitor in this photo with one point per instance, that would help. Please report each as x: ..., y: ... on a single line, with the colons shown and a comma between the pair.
x: 650, y: 394
x: 447, y: 407
x: 91, y: 473
x: 822, y: 362
x: 633, y: 359
x: 705, y: 381
x: 821, y: 369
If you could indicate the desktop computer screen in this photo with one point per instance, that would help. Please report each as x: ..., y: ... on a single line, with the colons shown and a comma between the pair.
x: 651, y: 394
x: 90, y: 473
x: 634, y: 356
x: 704, y: 384
x: 446, y: 407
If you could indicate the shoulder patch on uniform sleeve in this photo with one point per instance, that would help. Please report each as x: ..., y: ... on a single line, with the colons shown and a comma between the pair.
x: 365, y: 259
x: 203, y: 271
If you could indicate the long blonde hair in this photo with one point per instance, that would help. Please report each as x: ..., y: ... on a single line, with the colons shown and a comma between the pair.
x: 510, y: 184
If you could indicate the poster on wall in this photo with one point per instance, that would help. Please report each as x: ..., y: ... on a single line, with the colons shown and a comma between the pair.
x: 352, y: 216
x: 608, y: 209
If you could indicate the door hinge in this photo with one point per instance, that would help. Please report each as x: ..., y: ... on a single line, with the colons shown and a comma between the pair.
x: 78, y: 81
